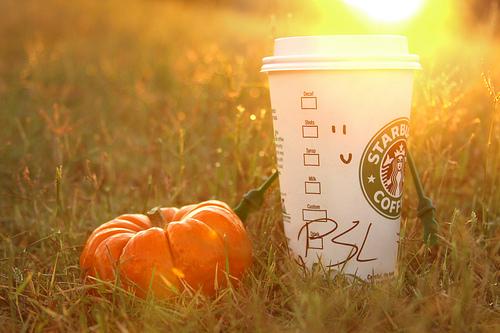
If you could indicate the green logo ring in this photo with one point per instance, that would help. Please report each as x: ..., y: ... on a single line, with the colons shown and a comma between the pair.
x: 381, y: 168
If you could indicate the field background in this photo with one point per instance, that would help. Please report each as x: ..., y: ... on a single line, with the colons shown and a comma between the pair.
x: 109, y: 107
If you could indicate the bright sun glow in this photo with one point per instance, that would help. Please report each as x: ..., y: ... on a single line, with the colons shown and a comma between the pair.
x: 388, y: 10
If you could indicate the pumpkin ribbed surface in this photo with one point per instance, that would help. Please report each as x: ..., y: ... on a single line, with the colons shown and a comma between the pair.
x: 193, y: 248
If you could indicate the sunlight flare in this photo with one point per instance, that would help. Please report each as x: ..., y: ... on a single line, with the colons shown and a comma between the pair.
x: 387, y: 10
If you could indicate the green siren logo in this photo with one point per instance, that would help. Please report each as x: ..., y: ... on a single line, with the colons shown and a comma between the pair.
x: 381, y: 172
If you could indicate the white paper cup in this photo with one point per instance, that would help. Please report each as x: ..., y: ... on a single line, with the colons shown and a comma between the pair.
x: 341, y: 106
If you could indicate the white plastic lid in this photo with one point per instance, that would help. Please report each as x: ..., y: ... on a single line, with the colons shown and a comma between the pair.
x: 341, y: 52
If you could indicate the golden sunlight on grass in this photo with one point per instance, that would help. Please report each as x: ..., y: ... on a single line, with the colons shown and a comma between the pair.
x: 119, y: 106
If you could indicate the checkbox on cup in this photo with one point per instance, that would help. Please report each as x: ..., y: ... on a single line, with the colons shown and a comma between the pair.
x: 309, y: 215
x: 311, y: 159
x: 315, y: 242
x: 312, y: 187
x: 308, y: 103
x: 309, y: 131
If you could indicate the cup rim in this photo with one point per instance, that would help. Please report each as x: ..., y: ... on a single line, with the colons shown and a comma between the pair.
x: 341, y: 52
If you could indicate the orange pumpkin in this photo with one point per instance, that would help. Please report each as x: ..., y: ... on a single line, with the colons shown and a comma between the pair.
x: 193, y: 248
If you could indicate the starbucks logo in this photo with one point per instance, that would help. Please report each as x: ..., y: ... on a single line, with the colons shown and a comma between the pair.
x: 382, y: 168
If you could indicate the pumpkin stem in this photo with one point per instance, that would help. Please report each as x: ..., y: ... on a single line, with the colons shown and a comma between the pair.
x: 254, y: 198
x: 156, y: 217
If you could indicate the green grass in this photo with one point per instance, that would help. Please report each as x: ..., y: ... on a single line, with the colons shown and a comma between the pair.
x: 118, y: 107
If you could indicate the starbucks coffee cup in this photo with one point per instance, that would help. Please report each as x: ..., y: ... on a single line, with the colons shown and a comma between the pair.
x: 341, y: 106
